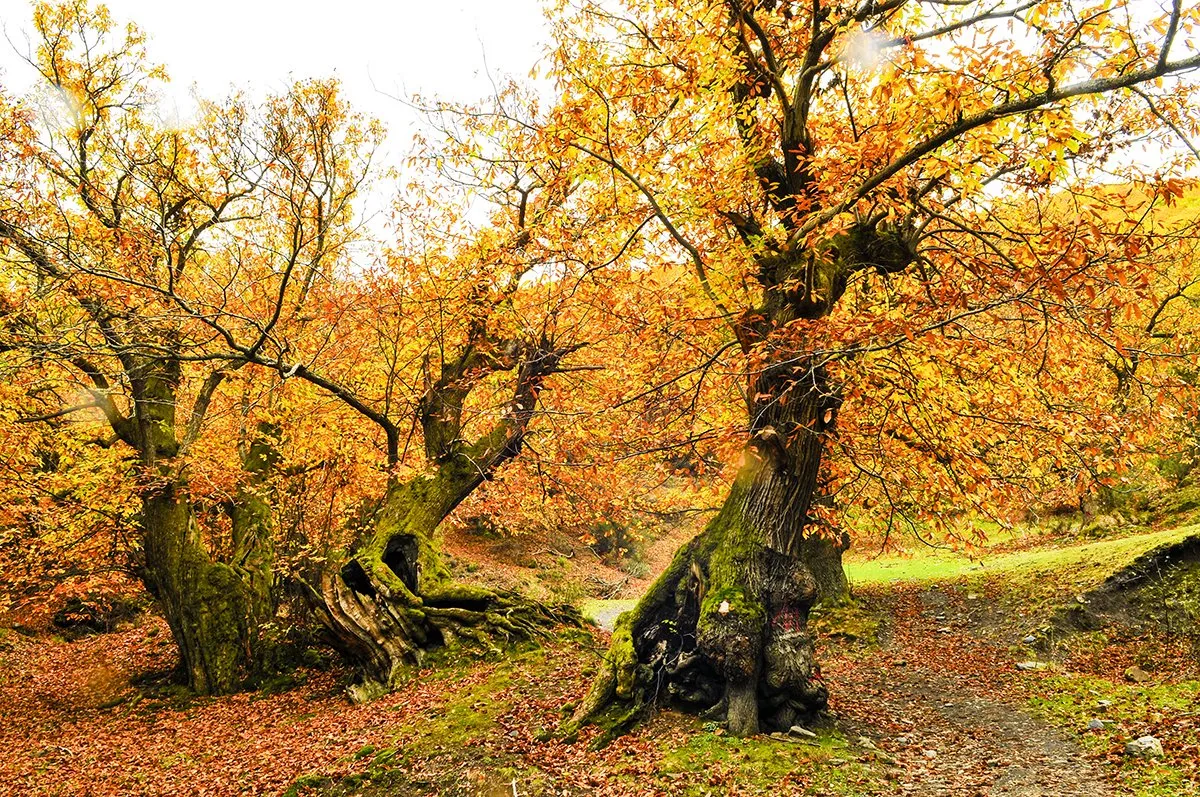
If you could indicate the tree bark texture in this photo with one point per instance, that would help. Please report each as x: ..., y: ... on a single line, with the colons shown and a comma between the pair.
x: 215, y: 609
x: 724, y: 630
x: 394, y: 599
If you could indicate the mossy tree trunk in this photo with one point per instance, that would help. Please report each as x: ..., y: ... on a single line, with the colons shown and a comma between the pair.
x: 215, y: 609
x: 725, y: 629
x: 394, y: 598
x: 252, y: 532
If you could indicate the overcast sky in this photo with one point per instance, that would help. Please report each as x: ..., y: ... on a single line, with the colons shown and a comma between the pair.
x: 398, y: 47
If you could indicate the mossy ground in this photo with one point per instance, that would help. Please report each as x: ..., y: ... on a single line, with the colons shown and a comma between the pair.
x: 764, y: 765
x: 498, y: 728
x: 848, y: 623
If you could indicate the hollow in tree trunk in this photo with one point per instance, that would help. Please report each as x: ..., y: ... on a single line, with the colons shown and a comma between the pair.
x: 395, y: 599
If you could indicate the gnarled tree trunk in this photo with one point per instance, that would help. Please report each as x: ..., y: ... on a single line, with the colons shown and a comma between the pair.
x: 214, y: 608
x: 724, y: 629
x: 394, y: 599
x: 252, y: 529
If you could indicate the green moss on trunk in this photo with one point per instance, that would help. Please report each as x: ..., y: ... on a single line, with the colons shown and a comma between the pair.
x: 213, y: 609
x: 724, y: 629
x: 394, y: 599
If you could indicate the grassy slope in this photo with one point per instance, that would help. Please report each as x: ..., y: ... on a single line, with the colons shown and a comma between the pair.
x: 1060, y: 567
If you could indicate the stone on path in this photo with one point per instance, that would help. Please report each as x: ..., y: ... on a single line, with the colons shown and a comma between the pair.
x: 1145, y: 747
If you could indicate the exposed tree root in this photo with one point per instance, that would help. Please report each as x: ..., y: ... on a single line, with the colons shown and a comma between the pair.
x: 385, y: 616
x: 723, y: 632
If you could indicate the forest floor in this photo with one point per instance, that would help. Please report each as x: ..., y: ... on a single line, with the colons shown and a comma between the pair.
x: 926, y: 695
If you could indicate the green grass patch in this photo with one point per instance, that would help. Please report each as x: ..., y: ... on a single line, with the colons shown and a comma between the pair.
x: 851, y: 622
x: 470, y: 714
x: 710, y: 763
x: 1128, y: 711
x: 307, y: 784
x: 1062, y: 567
x: 603, y: 612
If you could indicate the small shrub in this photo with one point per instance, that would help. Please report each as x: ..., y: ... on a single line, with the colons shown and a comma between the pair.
x: 615, y: 543
x: 93, y: 613
x: 635, y: 567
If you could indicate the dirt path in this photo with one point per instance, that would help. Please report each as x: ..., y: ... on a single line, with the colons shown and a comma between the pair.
x: 941, y: 697
x: 964, y: 743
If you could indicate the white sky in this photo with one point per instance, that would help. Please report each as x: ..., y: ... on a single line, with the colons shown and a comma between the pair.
x: 397, y: 46
x: 401, y: 47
